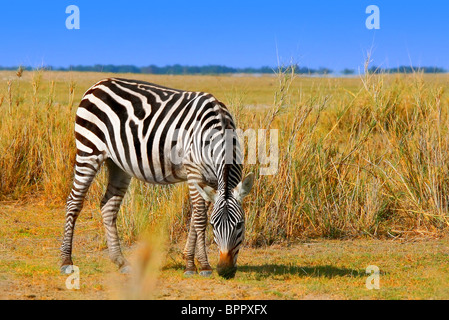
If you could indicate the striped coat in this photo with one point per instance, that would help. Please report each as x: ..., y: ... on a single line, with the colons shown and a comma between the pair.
x: 161, y: 136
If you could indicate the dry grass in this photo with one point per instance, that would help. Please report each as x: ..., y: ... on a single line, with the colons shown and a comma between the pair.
x: 359, y: 157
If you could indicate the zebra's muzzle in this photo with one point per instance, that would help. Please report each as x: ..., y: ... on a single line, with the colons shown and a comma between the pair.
x: 226, y: 267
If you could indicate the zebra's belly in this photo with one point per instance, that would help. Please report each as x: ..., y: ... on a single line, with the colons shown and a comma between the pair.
x: 150, y: 172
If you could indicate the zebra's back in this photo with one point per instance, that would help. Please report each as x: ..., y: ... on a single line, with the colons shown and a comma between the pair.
x: 138, y: 125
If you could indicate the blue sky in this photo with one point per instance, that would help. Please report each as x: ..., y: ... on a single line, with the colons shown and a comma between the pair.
x: 234, y: 33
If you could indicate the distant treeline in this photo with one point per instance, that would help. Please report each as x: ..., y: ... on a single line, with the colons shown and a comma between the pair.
x: 178, y: 69
x: 404, y: 69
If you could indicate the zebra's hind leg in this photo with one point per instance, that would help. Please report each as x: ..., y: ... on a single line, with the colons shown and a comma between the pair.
x: 85, y: 170
x: 110, y: 205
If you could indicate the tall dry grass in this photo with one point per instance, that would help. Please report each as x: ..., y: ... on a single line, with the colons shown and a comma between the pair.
x: 368, y: 163
x: 366, y: 159
x: 35, y: 141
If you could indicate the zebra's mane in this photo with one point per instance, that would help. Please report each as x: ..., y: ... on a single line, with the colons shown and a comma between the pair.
x: 231, y: 173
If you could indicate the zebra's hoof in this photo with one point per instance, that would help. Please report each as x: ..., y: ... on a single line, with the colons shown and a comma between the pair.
x: 68, y: 269
x: 125, y: 270
x: 206, y: 273
x: 190, y: 273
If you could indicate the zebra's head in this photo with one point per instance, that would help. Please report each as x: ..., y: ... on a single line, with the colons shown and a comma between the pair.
x: 228, y: 222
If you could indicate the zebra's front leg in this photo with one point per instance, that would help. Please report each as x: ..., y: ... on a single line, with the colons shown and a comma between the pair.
x: 197, y: 235
x: 201, y: 250
x: 189, y: 250
x: 110, y: 205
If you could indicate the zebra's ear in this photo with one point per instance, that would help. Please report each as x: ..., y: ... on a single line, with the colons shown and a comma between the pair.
x: 244, y: 187
x: 207, y: 193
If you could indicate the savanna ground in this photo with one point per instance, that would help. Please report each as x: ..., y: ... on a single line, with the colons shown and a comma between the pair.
x: 362, y: 180
x: 416, y: 268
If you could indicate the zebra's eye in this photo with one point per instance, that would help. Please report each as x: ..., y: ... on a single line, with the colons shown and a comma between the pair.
x: 239, y: 225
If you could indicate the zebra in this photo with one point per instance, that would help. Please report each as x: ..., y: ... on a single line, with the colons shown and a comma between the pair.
x: 161, y: 136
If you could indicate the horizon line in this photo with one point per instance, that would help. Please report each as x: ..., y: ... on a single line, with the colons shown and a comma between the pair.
x: 179, y: 69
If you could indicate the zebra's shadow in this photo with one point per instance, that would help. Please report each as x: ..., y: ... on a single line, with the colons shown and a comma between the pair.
x: 270, y: 270
x: 328, y: 271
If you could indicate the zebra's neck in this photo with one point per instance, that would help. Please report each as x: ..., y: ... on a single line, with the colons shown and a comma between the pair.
x: 215, y: 148
x: 227, y: 163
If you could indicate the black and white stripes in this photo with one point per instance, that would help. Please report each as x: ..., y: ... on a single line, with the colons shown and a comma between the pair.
x: 162, y: 136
